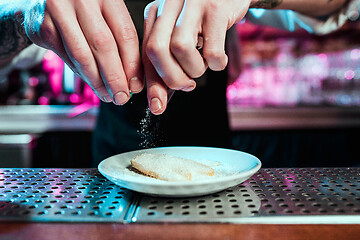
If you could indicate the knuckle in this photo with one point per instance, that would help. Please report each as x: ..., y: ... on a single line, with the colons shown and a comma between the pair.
x: 213, y: 54
x: 98, y: 87
x: 180, y: 46
x: 113, y: 78
x: 82, y: 57
x: 102, y: 41
x: 128, y: 34
x: 214, y: 5
x: 154, y: 48
x: 215, y: 59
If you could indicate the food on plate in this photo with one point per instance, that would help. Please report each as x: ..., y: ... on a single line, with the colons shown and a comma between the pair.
x: 170, y: 168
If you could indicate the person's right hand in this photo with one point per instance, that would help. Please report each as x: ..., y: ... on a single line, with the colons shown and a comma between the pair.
x: 173, y: 32
x: 98, y: 41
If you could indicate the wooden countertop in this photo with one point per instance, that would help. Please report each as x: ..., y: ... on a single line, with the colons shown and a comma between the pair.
x: 103, y: 231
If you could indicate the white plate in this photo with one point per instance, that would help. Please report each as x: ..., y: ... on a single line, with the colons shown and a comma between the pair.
x: 233, y: 167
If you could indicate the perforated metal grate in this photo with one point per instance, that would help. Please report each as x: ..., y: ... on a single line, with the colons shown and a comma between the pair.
x: 61, y: 195
x: 84, y: 195
x: 307, y: 191
x: 234, y: 202
x: 270, y: 192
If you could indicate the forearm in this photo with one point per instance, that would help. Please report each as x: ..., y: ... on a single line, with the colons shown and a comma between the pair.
x: 314, y: 8
x: 13, y: 39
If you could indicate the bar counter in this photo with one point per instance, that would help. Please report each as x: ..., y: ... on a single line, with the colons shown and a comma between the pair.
x: 286, y: 203
x: 39, y: 119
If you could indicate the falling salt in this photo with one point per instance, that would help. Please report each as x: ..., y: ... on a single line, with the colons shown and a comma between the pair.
x: 149, y: 130
x: 144, y: 130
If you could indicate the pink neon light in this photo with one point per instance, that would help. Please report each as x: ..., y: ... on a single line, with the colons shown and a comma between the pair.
x: 54, y: 66
x: 355, y: 54
x: 33, y: 81
x: 350, y: 74
x: 79, y: 109
x: 43, y: 100
x: 90, y: 95
x: 322, y: 56
x: 74, y: 98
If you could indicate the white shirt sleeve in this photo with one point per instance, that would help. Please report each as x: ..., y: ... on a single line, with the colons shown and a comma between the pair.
x: 290, y: 20
x: 27, y: 58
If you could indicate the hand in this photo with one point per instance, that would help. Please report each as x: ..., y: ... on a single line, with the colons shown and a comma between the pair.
x: 97, y: 39
x: 172, y: 30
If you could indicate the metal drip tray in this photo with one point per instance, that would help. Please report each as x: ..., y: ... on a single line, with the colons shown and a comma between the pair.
x: 232, y: 203
x: 61, y: 195
x: 321, y: 195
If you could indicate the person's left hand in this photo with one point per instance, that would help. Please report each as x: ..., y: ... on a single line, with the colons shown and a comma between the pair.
x: 172, y: 29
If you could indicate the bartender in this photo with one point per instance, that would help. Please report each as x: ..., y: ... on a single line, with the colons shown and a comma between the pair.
x: 99, y: 40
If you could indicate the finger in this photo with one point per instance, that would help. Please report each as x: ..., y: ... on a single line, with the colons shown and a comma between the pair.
x: 49, y: 32
x: 185, y: 38
x: 127, y: 41
x: 104, y: 48
x: 49, y: 38
x: 158, y: 50
x: 156, y: 89
x: 76, y: 46
x: 214, y: 32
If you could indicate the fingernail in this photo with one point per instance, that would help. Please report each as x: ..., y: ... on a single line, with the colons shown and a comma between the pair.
x: 190, y: 88
x: 155, y: 105
x: 135, y: 84
x: 107, y: 99
x: 120, y: 98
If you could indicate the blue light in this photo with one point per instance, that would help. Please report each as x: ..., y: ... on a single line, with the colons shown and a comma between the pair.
x: 257, y: 12
x: 160, y: 8
x: 292, y: 19
x: 68, y: 79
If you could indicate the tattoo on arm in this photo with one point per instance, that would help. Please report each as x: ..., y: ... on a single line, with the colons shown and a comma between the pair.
x: 267, y: 4
x: 13, y: 39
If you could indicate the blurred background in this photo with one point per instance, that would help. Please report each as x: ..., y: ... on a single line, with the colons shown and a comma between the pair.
x: 296, y: 101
